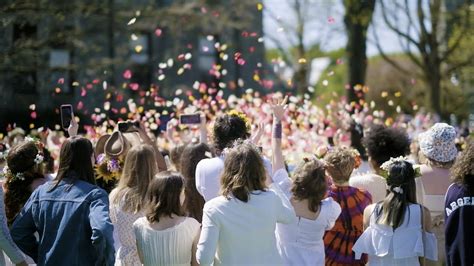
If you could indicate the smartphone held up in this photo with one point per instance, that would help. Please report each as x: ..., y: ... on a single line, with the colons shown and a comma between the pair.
x: 191, y: 119
x: 67, y: 115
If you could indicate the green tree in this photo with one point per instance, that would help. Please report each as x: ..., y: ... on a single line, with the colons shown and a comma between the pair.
x: 429, y: 41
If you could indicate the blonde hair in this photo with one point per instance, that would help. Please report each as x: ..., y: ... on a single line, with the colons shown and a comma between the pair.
x: 340, y: 163
x: 138, y: 171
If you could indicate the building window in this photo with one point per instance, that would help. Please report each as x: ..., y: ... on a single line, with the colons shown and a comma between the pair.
x: 24, y: 79
x: 59, y: 63
x: 207, y: 53
x: 140, y: 48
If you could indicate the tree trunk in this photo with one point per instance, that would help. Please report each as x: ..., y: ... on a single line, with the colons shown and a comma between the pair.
x: 357, y: 19
x: 434, y: 79
x: 301, y: 79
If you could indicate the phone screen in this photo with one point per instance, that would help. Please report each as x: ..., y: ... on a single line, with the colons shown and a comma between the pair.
x: 66, y: 115
x: 190, y: 119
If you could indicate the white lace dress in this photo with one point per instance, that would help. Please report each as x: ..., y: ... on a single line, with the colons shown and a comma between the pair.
x: 401, y: 246
x: 124, y: 237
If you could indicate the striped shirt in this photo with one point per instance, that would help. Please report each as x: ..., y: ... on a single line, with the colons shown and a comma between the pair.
x: 339, y: 240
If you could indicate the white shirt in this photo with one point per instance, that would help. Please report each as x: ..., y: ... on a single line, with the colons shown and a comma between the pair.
x: 171, y: 246
x: 301, y: 242
x: 243, y: 233
x: 208, y: 172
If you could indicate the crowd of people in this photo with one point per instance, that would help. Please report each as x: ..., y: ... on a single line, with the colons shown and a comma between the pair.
x: 289, y: 190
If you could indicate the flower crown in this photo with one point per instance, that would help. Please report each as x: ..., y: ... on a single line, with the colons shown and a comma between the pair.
x: 39, y: 158
x: 387, y: 166
x: 241, y: 116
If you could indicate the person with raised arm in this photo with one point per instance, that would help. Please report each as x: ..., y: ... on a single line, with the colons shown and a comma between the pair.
x: 238, y: 227
x: 301, y: 242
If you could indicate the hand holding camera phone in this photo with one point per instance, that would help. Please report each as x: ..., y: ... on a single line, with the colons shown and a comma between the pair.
x: 192, y: 119
x: 67, y: 115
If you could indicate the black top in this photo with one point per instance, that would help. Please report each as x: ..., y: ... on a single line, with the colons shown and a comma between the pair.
x: 459, y: 222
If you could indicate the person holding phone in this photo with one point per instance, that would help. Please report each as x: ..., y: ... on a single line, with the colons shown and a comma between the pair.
x: 70, y: 214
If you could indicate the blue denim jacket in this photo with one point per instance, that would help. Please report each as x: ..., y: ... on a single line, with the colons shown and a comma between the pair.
x: 72, y: 222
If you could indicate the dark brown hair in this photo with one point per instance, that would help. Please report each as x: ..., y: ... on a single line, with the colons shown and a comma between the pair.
x: 175, y: 156
x: 463, y: 170
x: 244, y: 171
x: 227, y: 129
x: 192, y: 155
x: 392, y: 210
x: 340, y: 163
x: 310, y: 183
x: 163, y: 196
x: 75, y: 161
x: 20, y: 159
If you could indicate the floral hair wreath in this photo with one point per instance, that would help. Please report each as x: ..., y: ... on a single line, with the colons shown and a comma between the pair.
x: 241, y: 116
x: 39, y: 158
x: 387, y: 166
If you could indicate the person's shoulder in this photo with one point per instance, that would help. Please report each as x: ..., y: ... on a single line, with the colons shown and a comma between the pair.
x: 362, y: 192
x: 210, y: 161
x: 215, y: 203
x: 192, y: 222
x: 330, y: 203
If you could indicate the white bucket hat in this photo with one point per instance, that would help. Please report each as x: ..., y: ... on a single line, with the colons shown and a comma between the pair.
x: 438, y: 143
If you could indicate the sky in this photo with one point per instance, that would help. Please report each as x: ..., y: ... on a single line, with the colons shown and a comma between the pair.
x: 326, y: 26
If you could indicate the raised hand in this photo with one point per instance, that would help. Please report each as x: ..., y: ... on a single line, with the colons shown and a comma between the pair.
x: 258, y: 133
x: 278, y: 107
x: 73, y: 127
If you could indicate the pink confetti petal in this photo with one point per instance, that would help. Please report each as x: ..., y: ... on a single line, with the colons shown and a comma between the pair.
x: 158, y: 32
x: 80, y: 105
x: 127, y: 74
x: 83, y: 92
x: 33, y: 115
x: 61, y: 81
x: 134, y: 86
x: 331, y: 20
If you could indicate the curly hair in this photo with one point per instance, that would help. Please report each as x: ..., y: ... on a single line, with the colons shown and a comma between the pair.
x: 20, y: 159
x: 227, y: 129
x: 310, y: 183
x: 383, y: 143
x: 462, y: 171
x: 340, y: 163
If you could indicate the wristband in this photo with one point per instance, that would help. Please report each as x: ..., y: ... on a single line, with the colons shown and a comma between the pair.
x: 277, y: 130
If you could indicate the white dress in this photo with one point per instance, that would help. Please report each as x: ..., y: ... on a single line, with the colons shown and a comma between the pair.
x: 243, y: 233
x: 301, y: 242
x: 123, y: 232
x: 401, y: 246
x: 171, y: 246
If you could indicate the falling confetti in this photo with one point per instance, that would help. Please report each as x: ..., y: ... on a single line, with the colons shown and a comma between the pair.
x: 158, y: 32
x: 127, y: 74
x: 132, y: 21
